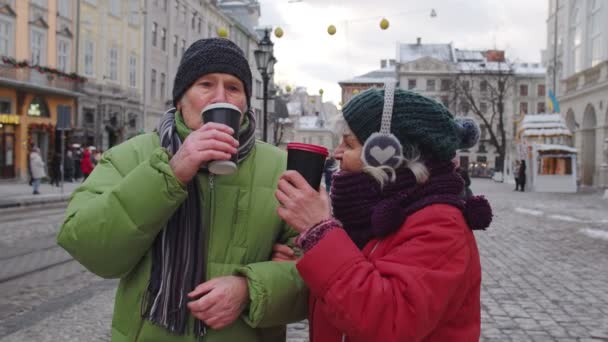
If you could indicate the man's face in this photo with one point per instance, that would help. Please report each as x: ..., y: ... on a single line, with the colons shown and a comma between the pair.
x: 210, y: 89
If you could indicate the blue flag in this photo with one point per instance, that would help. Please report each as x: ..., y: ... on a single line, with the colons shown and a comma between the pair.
x: 554, y: 105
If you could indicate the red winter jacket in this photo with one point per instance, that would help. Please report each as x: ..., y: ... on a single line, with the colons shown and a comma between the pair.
x: 86, y: 165
x: 421, y: 283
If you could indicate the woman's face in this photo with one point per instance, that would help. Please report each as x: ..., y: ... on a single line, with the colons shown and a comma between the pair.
x: 348, y: 153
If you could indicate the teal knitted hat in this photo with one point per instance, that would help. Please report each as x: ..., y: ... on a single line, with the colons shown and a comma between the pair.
x: 417, y: 121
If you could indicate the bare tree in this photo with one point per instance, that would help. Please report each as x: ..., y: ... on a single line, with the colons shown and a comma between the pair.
x: 484, y: 89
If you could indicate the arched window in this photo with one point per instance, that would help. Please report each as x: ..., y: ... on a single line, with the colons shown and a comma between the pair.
x: 38, y: 107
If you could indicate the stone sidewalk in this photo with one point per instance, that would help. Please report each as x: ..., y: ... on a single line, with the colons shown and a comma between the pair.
x: 19, y: 194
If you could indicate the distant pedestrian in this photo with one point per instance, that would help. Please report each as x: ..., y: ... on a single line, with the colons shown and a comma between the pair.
x: 68, y: 166
x: 521, y: 175
x: 55, y: 169
x: 516, y: 166
x: 86, y: 163
x: 38, y: 169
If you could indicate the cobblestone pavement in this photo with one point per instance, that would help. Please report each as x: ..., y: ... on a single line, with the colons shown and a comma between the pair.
x: 545, y: 274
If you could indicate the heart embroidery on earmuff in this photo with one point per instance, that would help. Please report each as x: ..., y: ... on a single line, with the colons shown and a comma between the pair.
x: 383, y: 148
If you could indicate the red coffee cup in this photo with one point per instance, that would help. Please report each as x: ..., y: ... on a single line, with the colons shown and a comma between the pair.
x: 308, y: 160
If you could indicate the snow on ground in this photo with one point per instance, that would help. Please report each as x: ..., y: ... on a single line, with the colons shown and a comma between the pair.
x: 529, y: 211
x: 595, y: 233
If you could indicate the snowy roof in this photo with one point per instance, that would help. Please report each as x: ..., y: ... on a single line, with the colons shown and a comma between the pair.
x: 484, y: 66
x: 469, y: 55
x: 544, y: 125
x: 412, y: 52
x: 376, y: 76
x: 550, y: 147
x: 529, y: 68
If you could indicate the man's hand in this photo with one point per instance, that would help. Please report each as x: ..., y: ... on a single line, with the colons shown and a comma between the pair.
x: 283, y: 253
x: 213, y: 141
x: 223, y: 300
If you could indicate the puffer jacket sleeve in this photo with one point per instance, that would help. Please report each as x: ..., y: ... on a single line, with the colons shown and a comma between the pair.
x: 401, y: 295
x: 277, y: 293
x: 114, y: 217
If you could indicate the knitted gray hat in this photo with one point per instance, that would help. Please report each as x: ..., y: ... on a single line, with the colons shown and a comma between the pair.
x: 206, y: 56
x: 417, y: 121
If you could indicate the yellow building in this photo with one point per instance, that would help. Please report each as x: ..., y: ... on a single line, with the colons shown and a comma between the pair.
x: 37, y: 46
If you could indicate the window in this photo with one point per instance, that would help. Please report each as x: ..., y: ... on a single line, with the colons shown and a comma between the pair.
x: 6, y: 38
x: 430, y: 85
x: 115, y: 8
x: 133, y: 12
x: 176, y: 8
x: 483, y: 107
x: 153, y: 83
x: 89, y: 52
x: 63, y: 55
x: 41, y: 3
x: 258, y: 88
x: 133, y: 71
x: 523, y: 90
x: 193, y: 21
x: 38, y: 47
x: 175, y: 40
x: 595, y: 31
x: 163, y: 39
x: 154, y: 30
x: 540, y: 107
x: 209, y: 30
x: 165, y: 5
x: 411, y: 84
x: 446, y: 85
x: 113, y: 64
x: 163, y: 81
x: 183, y: 46
x: 200, y: 25
x: 184, y: 13
x: 6, y: 106
x: 63, y: 8
x: 483, y: 86
x: 465, y: 106
x: 523, y: 108
x: 466, y: 85
x: 576, y: 39
x: 540, y: 90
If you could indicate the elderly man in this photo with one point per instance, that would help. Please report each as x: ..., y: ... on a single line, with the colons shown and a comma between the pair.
x: 191, y: 248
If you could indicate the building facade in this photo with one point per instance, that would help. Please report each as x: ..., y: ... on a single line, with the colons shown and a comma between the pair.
x: 577, y: 61
x: 440, y: 71
x: 37, y: 79
x: 111, y: 56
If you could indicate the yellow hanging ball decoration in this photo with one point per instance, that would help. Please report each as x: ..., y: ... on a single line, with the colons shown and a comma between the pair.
x: 278, y: 32
x: 321, y: 91
x: 331, y: 29
x: 356, y: 91
x: 222, y: 32
x: 384, y: 24
x: 288, y: 89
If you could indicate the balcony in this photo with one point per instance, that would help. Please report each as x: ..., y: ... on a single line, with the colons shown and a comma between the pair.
x: 587, y: 78
x: 31, y: 79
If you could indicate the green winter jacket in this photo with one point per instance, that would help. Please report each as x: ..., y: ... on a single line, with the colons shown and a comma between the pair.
x: 113, y: 218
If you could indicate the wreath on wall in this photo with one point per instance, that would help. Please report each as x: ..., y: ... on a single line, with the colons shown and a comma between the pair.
x: 43, y: 70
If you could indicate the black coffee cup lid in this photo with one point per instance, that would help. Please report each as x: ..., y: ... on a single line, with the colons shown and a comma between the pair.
x: 308, y: 147
x: 221, y: 105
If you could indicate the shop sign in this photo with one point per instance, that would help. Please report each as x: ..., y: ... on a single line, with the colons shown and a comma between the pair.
x: 9, y: 119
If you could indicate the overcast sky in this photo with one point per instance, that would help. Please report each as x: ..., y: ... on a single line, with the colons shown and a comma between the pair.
x: 308, y: 56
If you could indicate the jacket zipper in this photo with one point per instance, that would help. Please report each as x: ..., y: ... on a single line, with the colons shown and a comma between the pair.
x: 370, y: 254
x: 207, y: 221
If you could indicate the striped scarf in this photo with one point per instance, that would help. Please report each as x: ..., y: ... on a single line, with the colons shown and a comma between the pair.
x: 178, y: 261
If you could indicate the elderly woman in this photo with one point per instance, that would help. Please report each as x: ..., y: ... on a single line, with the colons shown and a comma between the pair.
x: 393, y: 258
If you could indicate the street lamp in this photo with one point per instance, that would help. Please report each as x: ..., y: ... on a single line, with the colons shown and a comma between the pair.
x: 265, y: 60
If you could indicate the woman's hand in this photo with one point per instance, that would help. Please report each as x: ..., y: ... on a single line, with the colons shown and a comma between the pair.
x: 301, y: 206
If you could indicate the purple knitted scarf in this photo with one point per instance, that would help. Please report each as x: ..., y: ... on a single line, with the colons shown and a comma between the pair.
x: 367, y: 211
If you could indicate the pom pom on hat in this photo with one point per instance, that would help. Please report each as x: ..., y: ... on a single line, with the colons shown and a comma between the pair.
x: 477, y: 212
x: 469, y: 132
